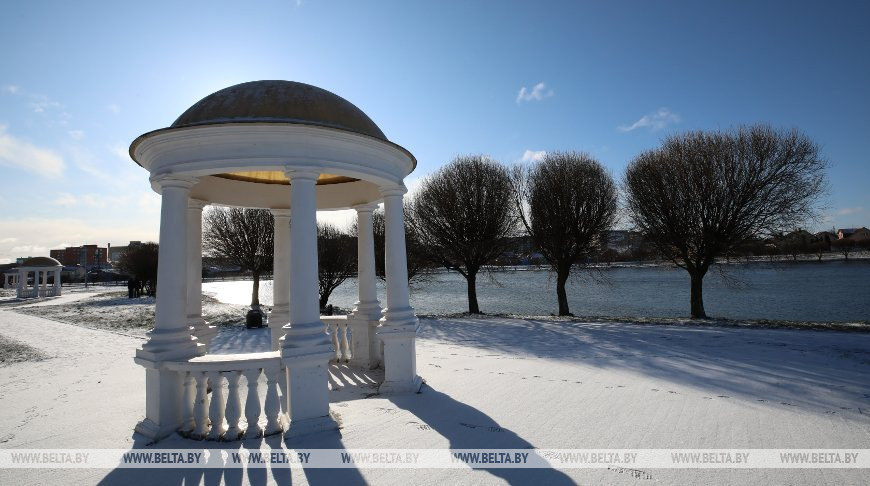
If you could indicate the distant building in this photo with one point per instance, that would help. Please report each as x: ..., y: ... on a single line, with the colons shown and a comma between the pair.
x: 88, y: 256
x: 116, y: 252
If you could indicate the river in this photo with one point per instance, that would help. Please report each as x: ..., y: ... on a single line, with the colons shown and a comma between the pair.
x: 835, y: 291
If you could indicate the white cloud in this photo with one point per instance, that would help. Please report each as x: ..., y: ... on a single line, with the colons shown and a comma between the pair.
x: 120, y: 151
x: 537, y: 93
x: 90, y: 200
x: 11, y: 89
x: 654, y: 121
x: 41, y: 103
x: 149, y: 202
x: 8, y: 240
x: 848, y: 211
x: 21, y: 154
x: 113, y: 108
x: 66, y: 199
x: 533, y: 155
x: 29, y: 250
x: 76, y: 134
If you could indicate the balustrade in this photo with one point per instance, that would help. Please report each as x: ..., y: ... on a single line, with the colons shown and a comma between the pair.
x: 219, y: 416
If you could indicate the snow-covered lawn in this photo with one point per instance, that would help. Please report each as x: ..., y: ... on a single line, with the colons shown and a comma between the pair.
x: 491, y: 383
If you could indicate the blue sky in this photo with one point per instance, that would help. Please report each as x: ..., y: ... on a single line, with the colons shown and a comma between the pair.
x: 80, y: 80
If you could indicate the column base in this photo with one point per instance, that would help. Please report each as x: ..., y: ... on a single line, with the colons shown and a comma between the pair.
x: 153, y: 431
x: 366, y: 310
x: 400, y: 359
x: 303, y: 427
x: 364, y: 343
x: 169, y: 346
x: 307, y: 391
x: 388, y: 388
x: 164, y: 396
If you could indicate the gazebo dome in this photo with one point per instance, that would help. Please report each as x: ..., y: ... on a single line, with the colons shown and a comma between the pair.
x: 279, y: 102
x: 41, y: 262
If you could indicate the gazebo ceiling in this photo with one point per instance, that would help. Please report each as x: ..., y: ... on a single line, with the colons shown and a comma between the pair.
x: 278, y: 177
x: 279, y: 102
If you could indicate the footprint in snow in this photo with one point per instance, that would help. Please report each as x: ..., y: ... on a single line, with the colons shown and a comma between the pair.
x: 723, y: 396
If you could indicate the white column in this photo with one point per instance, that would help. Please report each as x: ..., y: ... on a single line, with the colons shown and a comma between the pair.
x: 281, y: 277
x: 363, y: 322
x: 170, y: 339
x: 399, y: 324
x: 57, y: 281
x: 306, y: 348
x: 203, y: 332
x: 21, y: 284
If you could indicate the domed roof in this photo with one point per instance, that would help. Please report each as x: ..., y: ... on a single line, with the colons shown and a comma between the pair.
x: 279, y: 102
x: 40, y: 262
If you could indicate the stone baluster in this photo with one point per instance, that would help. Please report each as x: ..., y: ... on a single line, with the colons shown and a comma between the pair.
x: 216, y: 408
x: 252, y: 404
x: 332, y: 328
x: 200, y: 407
x: 343, y: 341
x: 189, y: 422
x: 273, y: 406
x: 233, y: 409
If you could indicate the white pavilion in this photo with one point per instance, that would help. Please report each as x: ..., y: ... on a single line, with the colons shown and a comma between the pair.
x: 294, y: 149
x: 40, y: 268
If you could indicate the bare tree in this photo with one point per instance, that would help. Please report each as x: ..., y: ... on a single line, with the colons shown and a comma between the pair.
x: 702, y: 194
x: 140, y: 262
x: 336, y: 259
x: 566, y: 202
x: 846, y: 246
x: 243, y: 237
x: 463, y: 214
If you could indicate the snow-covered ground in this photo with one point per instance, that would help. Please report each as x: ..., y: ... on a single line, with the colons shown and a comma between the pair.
x: 491, y: 383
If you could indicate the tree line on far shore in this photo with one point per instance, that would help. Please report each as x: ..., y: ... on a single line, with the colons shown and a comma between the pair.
x: 697, y: 198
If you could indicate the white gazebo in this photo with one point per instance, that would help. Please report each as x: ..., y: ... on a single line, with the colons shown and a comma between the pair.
x: 294, y: 149
x: 39, y: 268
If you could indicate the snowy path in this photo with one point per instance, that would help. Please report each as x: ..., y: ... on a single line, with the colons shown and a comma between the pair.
x: 492, y: 383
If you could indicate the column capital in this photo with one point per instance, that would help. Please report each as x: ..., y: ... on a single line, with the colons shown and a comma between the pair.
x: 173, y: 180
x: 393, y: 190
x: 365, y: 208
x: 196, y: 204
x: 301, y: 172
x: 280, y: 213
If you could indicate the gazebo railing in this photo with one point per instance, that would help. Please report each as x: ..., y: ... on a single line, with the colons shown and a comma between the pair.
x: 218, y: 415
x: 31, y: 293
x: 338, y: 329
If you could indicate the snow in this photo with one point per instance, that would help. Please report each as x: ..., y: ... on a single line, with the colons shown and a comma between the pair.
x: 490, y: 382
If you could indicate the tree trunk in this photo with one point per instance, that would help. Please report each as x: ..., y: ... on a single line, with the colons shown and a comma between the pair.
x: 324, y: 299
x: 255, y: 294
x: 471, y: 277
x: 697, y: 297
x: 561, y: 295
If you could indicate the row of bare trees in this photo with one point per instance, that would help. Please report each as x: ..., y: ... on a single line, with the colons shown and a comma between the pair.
x: 696, y: 198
